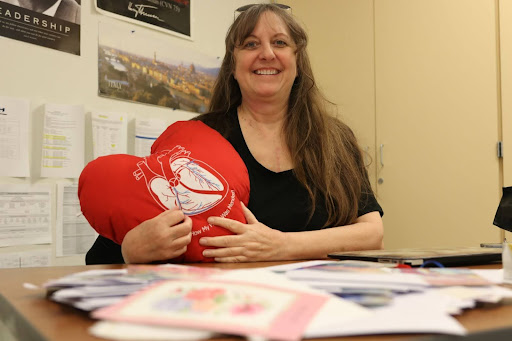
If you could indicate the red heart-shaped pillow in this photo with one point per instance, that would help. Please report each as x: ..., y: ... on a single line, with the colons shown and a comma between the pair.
x: 191, y: 167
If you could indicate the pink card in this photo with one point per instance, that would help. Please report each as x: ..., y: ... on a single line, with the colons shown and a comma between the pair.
x: 220, y: 306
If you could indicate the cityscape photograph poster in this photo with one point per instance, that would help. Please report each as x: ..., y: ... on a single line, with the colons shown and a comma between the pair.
x: 134, y: 65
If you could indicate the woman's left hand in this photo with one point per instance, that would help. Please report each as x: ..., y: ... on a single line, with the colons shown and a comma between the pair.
x: 250, y: 242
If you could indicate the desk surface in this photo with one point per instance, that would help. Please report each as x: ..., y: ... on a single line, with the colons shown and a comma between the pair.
x: 30, y: 316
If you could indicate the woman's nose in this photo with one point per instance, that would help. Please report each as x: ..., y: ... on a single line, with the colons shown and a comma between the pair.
x: 267, y: 52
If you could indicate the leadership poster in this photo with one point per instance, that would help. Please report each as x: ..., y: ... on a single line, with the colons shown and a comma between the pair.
x: 50, y: 23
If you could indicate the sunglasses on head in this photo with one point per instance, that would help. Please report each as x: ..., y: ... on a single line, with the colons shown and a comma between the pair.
x: 244, y: 8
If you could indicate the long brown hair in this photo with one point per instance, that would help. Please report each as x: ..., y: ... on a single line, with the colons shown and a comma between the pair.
x: 327, y: 159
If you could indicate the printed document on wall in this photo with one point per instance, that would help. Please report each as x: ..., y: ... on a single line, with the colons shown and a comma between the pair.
x: 63, y: 141
x: 109, y: 133
x: 36, y: 258
x: 25, y: 214
x: 26, y: 259
x: 74, y: 235
x: 146, y: 132
x: 9, y: 260
x: 14, y: 137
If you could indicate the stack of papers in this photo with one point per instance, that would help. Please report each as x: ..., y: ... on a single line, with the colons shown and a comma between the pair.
x: 371, y: 284
x: 205, y: 301
x: 290, y: 302
x: 93, y: 289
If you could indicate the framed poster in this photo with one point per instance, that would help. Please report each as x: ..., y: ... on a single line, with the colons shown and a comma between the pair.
x: 54, y: 24
x: 140, y: 66
x: 170, y: 16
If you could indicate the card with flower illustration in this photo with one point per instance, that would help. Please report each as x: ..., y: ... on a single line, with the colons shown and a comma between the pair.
x: 224, y: 307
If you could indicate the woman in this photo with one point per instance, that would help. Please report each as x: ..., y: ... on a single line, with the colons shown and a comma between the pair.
x: 310, y: 193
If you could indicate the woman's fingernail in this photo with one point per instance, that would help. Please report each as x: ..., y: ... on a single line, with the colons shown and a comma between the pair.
x: 206, y: 253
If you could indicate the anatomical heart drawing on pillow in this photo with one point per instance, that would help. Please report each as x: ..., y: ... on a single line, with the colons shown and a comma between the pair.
x: 191, y: 168
x: 178, y: 180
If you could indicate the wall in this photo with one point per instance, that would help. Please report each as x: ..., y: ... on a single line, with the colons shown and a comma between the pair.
x: 44, y: 75
x: 431, y: 62
x: 341, y: 38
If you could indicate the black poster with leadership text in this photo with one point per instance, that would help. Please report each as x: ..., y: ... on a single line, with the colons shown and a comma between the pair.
x: 48, y: 30
x: 167, y: 15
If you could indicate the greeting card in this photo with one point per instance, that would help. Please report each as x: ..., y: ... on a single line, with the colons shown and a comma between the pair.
x: 225, y: 307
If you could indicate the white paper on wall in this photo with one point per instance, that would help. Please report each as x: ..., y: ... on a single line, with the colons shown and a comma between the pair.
x: 146, y: 132
x: 63, y: 141
x: 25, y: 214
x: 14, y: 137
x: 9, y: 260
x: 74, y: 235
x: 26, y: 259
x: 109, y: 133
x: 35, y: 258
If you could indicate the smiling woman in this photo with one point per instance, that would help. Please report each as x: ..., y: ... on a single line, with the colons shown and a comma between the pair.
x: 309, y: 189
x: 266, y: 66
x: 305, y: 167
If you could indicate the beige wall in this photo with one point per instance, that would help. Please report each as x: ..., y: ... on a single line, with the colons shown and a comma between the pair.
x: 422, y: 78
x: 342, y: 49
x: 342, y: 54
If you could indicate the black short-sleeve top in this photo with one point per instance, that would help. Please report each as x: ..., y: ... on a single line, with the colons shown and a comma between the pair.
x: 278, y: 200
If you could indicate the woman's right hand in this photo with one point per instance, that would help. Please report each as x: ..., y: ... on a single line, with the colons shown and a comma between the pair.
x: 163, y: 237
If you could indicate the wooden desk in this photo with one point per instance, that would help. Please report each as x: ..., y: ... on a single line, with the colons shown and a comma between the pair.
x: 30, y: 316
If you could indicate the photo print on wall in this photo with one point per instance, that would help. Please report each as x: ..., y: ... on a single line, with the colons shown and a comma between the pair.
x: 134, y: 65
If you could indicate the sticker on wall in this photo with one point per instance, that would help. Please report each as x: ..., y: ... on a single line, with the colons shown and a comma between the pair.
x: 134, y: 65
x: 169, y: 16
x: 52, y: 23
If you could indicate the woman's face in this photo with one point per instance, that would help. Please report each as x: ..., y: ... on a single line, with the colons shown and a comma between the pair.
x: 265, y: 63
